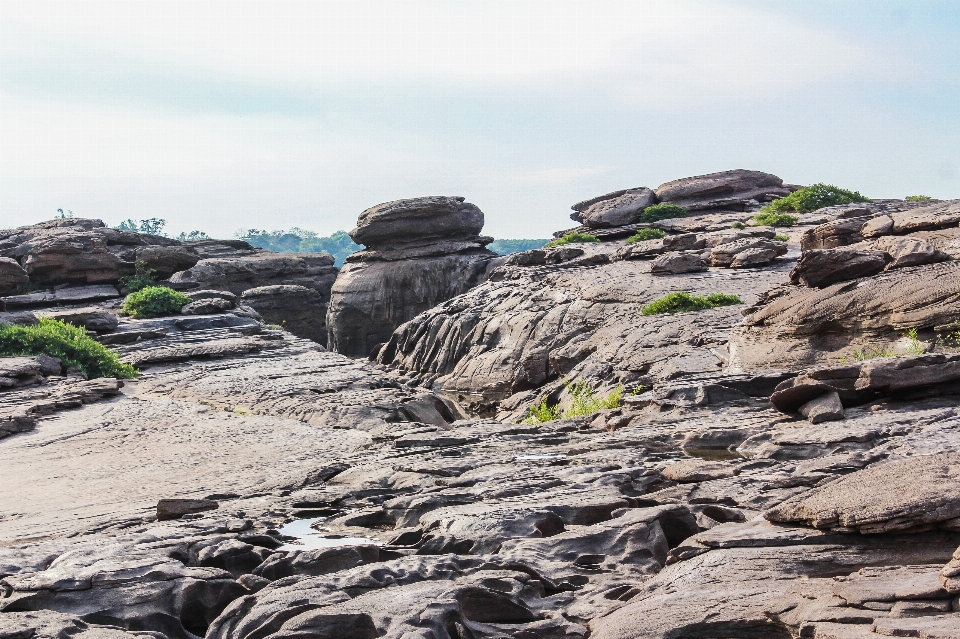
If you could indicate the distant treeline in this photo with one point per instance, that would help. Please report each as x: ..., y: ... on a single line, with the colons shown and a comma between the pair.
x: 298, y: 240
x: 339, y: 245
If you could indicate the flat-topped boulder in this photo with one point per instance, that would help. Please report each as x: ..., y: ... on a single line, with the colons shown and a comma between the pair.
x: 419, y: 252
x: 723, y: 190
x: 614, y: 209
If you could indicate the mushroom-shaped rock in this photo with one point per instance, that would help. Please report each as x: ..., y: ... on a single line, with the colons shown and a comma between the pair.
x: 419, y: 253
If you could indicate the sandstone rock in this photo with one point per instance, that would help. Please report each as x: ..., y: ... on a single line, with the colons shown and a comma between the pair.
x: 727, y: 189
x: 908, y: 251
x: 298, y: 309
x: 92, y: 318
x: 167, y: 260
x: 725, y: 254
x: 12, y: 275
x: 237, y: 274
x: 753, y: 257
x: 206, y: 294
x: 933, y: 216
x: 640, y: 250
x: 176, y: 508
x: 208, y: 306
x: 950, y: 574
x: 420, y: 252
x: 697, y: 470
x: 674, y: 263
x: 825, y: 408
x: 896, y: 495
x: 823, y: 267
x: 313, y: 563
x: 835, y: 234
x: 622, y: 208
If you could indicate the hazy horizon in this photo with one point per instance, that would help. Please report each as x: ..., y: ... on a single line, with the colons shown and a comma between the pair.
x: 303, y: 114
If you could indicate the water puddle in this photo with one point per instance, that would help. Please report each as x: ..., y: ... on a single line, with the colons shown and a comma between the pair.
x: 311, y: 539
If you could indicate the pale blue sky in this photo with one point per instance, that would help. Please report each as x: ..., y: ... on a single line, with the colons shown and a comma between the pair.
x: 227, y: 115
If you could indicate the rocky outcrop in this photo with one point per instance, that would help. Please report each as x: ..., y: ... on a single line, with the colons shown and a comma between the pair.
x: 12, y: 275
x: 619, y: 208
x: 419, y: 253
x: 300, y: 310
x: 239, y: 274
x: 725, y: 190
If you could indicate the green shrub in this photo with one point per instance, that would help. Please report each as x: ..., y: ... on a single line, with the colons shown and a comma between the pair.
x: 774, y: 219
x: 583, y: 403
x: 781, y: 238
x: 662, y: 211
x: 152, y: 301
x: 141, y: 279
x: 646, y: 234
x: 70, y: 344
x: 573, y: 238
x: 738, y: 225
x: 682, y: 302
x: 816, y: 196
x: 918, y: 198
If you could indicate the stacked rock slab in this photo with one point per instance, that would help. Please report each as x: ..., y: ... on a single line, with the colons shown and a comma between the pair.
x: 419, y: 253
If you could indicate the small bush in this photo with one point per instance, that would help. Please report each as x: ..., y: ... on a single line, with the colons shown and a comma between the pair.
x: 816, y: 196
x: 738, y: 225
x: 646, y: 234
x: 918, y: 198
x: 572, y: 238
x: 662, y: 211
x: 774, y: 219
x: 781, y: 238
x: 70, y: 344
x: 141, y: 279
x: 682, y: 302
x: 583, y: 403
x: 153, y: 301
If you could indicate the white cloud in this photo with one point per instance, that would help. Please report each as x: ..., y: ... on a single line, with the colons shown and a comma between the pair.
x: 647, y: 51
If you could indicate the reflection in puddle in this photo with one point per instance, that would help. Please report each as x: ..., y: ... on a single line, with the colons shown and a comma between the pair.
x: 311, y: 539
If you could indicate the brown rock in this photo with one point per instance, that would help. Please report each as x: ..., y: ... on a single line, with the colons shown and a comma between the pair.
x: 298, y: 309
x: 674, y: 263
x: 697, y: 470
x: 825, y: 408
x: 177, y: 508
x: 12, y: 275
x: 726, y: 189
x: 822, y: 267
x: 619, y: 210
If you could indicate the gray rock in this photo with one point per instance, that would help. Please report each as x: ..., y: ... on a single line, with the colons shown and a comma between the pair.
x: 892, y: 496
x: 825, y: 408
x: 167, y: 260
x: 823, y: 267
x: 726, y: 253
x: 753, y: 257
x: 176, y: 508
x: 619, y: 210
x: 92, y: 318
x: 12, y: 275
x: 675, y: 263
x: 208, y: 306
x: 240, y: 273
x: 206, y: 294
x: 726, y: 189
x: 697, y: 470
x: 298, y: 309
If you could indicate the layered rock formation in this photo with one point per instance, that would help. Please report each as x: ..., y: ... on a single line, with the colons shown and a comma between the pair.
x: 252, y: 485
x: 419, y: 253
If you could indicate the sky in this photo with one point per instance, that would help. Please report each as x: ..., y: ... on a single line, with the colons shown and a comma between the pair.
x: 230, y: 115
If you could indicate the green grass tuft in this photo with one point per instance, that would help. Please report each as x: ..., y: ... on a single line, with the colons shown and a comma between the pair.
x: 738, y: 225
x: 646, y: 234
x: 918, y: 198
x: 774, y: 219
x: 813, y: 197
x: 69, y: 343
x: 153, y: 301
x: 681, y: 302
x: 583, y: 403
x: 662, y: 211
x: 141, y: 279
x: 781, y: 238
x: 573, y: 238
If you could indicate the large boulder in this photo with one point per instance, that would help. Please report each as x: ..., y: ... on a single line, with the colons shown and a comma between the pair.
x: 614, y: 209
x: 12, y: 275
x: 299, y: 309
x: 238, y: 274
x: 724, y: 190
x: 419, y: 253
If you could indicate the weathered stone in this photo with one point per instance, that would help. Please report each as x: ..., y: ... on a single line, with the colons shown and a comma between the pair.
x: 208, y: 306
x: 896, y: 495
x: 726, y: 253
x: 92, y: 318
x: 12, y: 275
x: 176, y: 508
x: 237, y: 274
x: 825, y: 408
x: 726, y: 189
x: 167, y: 260
x: 696, y: 470
x: 298, y: 309
x: 753, y: 257
x: 624, y: 208
x: 675, y: 263
x: 823, y: 267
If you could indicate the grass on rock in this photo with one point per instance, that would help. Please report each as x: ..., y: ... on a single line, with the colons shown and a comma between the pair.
x: 646, y: 234
x: 583, y: 403
x: 681, y: 302
x: 662, y: 211
x: 813, y: 197
x: 153, y: 301
x: 69, y: 343
x: 774, y: 219
x: 141, y: 279
x: 573, y: 238
x: 781, y: 238
x: 918, y: 198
